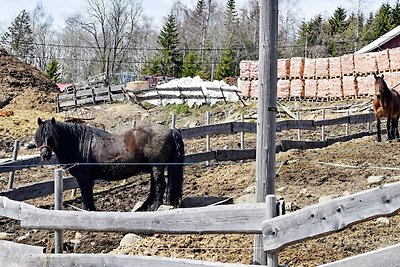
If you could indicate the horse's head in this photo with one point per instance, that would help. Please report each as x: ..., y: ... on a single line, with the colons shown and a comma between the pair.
x: 380, y: 86
x: 45, y: 138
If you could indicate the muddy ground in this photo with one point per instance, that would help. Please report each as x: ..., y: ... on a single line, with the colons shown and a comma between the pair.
x: 303, y: 179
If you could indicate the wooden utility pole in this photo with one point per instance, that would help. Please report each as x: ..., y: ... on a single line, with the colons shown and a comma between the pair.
x: 266, y: 118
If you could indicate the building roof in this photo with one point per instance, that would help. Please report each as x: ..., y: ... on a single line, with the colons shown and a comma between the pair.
x: 380, y: 41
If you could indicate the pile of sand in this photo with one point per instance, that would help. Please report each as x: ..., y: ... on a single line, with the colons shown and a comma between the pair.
x: 23, y: 86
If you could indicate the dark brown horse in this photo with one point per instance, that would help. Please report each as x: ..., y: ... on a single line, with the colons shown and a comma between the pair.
x: 386, y: 104
x: 94, y: 154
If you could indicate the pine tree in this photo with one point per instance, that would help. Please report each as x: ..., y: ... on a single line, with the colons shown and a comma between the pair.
x: 337, y: 22
x: 338, y: 25
x: 312, y: 37
x: 52, y: 71
x: 231, y: 18
x: 169, y: 60
x: 18, y: 40
x: 191, y: 65
x: 396, y: 13
x: 201, y: 4
x: 382, y: 23
x: 226, y: 67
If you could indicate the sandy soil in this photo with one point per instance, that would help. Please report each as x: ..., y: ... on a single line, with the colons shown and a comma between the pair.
x: 303, y: 179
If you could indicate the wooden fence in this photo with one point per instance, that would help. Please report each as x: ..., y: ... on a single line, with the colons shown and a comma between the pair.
x: 46, y: 187
x: 310, y: 222
x: 92, y: 94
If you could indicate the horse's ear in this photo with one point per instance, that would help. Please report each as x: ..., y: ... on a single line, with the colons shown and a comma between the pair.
x: 39, y: 121
x: 382, y: 76
x: 375, y: 75
x: 53, y: 121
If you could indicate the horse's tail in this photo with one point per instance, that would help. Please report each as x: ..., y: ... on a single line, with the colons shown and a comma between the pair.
x: 175, y: 171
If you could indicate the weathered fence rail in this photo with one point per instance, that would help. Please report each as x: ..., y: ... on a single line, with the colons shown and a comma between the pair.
x: 330, y: 216
x: 34, y: 256
x: 278, y: 232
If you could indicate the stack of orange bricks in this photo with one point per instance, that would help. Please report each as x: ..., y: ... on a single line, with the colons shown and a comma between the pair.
x: 335, y: 77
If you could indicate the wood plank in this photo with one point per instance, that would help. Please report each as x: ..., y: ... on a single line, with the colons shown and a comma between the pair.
x: 235, y: 154
x: 171, y: 97
x: 12, y: 209
x: 117, y: 260
x: 173, y: 89
x: 201, y: 131
x: 291, y: 114
x: 247, y: 127
x: 39, y: 189
x: 223, y: 89
x: 303, y: 145
x: 200, y: 157
x: 335, y: 121
x: 295, y: 124
x: 362, y: 118
x: 331, y: 216
x: 388, y: 257
x: 244, y: 218
x: 12, y: 249
x: 26, y: 163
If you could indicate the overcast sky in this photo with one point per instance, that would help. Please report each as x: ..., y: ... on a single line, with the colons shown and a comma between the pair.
x: 158, y: 9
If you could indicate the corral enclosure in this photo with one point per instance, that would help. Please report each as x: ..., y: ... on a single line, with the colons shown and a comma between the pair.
x: 304, y: 178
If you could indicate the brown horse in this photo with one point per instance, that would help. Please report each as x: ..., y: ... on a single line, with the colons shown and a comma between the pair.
x: 386, y: 104
x: 94, y: 154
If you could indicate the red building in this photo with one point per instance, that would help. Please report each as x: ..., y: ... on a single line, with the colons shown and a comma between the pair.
x: 390, y: 39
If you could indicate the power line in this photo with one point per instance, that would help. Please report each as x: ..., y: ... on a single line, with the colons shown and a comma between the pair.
x: 134, y: 48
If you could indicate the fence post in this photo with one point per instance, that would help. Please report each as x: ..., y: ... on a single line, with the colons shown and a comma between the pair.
x: 272, y: 258
x: 207, y: 122
x: 369, y: 123
x: 14, y: 158
x: 75, y: 97
x: 298, y: 123
x: 58, y: 198
x: 323, y: 126
x: 347, y: 124
x: 208, y: 146
x: 242, y: 133
x: 109, y: 93
x: 57, y: 103
x: 93, y: 96
x: 173, y: 121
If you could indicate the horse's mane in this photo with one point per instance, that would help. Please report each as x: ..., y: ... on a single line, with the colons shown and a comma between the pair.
x: 74, y: 139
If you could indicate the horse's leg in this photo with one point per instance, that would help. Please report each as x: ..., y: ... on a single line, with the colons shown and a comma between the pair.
x: 160, y: 187
x: 395, y: 126
x: 150, y: 198
x: 378, y: 130
x: 86, y: 186
x: 388, y: 128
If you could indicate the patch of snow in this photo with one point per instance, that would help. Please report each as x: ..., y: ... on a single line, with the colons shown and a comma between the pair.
x: 204, y: 91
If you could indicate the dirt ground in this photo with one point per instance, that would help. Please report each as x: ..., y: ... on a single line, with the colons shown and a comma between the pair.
x: 303, y: 177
